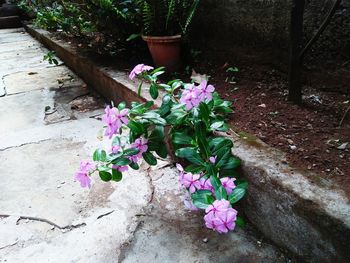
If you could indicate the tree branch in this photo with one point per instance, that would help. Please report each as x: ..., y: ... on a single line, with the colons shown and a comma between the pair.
x: 321, y: 29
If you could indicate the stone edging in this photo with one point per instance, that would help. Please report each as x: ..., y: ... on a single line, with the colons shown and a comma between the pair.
x: 309, y: 220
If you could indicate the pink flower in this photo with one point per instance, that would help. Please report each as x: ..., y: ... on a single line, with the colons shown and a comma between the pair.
x: 220, y: 216
x: 190, y: 99
x: 141, y: 145
x: 120, y: 168
x: 218, y: 206
x: 205, y: 184
x: 115, y: 149
x: 228, y: 184
x: 82, y: 175
x: 114, y: 120
x: 193, y: 95
x: 205, y: 90
x: 191, y: 181
x: 139, y: 69
x: 213, y: 159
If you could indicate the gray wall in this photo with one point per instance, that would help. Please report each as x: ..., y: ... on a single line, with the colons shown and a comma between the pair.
x: 265, y: 23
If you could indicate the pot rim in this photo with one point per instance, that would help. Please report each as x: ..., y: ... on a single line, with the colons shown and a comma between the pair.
x: 174, y: 38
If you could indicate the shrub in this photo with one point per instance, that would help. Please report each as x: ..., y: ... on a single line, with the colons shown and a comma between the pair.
x: 189, y: 117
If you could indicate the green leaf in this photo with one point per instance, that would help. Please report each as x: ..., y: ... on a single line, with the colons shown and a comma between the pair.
x: 139, y: 89
x: 231, y: 163
x: 181, y: 138
x: 133, y: 36
x: 240, y: 222
x: 190, y: 154
x: 224, y: 143
x: 103, y: 168
x: 116, y: 175
x: 105, y: 176
x: 220, y: 191
x: 194, y: 168
x: 202, y: 198
x: 153, y: 91
x: 242, y: 184
x: 136, y: 127
x: 204, y: 111
x: 149, y: 158
x: 131, y: 151
x: 122, y: 161
x: 134, y: 166
x: 216, y: 125
x: 222, y: 156
x: 229, y: 173
x: 162, y: 151
x: 116, y: 141
x: 215, y: 182
x: 154, y: 117
x: 99, y: 155
x: 236, y: 195
x: 215, y: 141
x: 201, y: 134
x: 157, y: 134
x: 211, y: 169
x: 122, y: 105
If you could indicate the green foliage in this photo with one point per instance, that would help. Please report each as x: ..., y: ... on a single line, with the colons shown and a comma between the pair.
x: 167, y: 17
x: 51, y: 58
x: 104, y: 25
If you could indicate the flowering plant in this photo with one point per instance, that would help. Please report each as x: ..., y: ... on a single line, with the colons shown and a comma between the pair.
x: 189, y: 115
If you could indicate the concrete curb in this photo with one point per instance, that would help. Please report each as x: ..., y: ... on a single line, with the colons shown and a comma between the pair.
x: 309, y: 220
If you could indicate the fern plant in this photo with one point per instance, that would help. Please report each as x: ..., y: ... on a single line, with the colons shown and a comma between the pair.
x: 167, y: 17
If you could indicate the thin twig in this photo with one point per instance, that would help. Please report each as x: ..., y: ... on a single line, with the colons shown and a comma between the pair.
x: 342, y: 119
x: 321, y: 29
x: 45, y: 221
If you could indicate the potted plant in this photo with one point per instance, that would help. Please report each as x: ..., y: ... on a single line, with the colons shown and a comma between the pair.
x: 164, y: 25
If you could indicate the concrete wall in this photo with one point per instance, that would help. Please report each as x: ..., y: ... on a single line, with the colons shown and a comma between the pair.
x: 265, y: 23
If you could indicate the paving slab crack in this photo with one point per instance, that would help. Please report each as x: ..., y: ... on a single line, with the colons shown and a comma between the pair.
x: 105, y: 214
x: 33, y: 218
x: 23, y: 144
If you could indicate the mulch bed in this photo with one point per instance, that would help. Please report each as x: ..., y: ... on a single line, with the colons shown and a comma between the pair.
x: 309, y: 134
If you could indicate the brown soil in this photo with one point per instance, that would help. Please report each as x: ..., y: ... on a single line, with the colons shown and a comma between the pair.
x: 309, y: 134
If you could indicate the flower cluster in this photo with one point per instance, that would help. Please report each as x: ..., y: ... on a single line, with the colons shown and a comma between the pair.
x: 83, y: 174
x: 220, y: 216
x: 194, y: 182
x: 193, y: 95
x: 114, y: 119
x: 138, y: 69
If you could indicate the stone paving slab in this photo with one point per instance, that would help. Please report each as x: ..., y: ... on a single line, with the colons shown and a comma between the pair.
x: 49, y: 78
x: 24, y: 110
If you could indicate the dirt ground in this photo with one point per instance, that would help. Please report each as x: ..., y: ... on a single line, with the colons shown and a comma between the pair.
x: 310, y: 134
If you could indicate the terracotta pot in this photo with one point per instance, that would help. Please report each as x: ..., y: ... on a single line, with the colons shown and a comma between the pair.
x: 165, y: 51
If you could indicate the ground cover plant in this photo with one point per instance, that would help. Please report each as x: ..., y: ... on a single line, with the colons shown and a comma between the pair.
x: 186, y: 121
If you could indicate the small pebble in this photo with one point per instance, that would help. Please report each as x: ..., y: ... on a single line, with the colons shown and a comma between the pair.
x: 292, y: 147
x: 205, y: 240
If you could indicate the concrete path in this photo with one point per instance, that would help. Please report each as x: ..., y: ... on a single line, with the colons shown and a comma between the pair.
x: 49, y: 121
